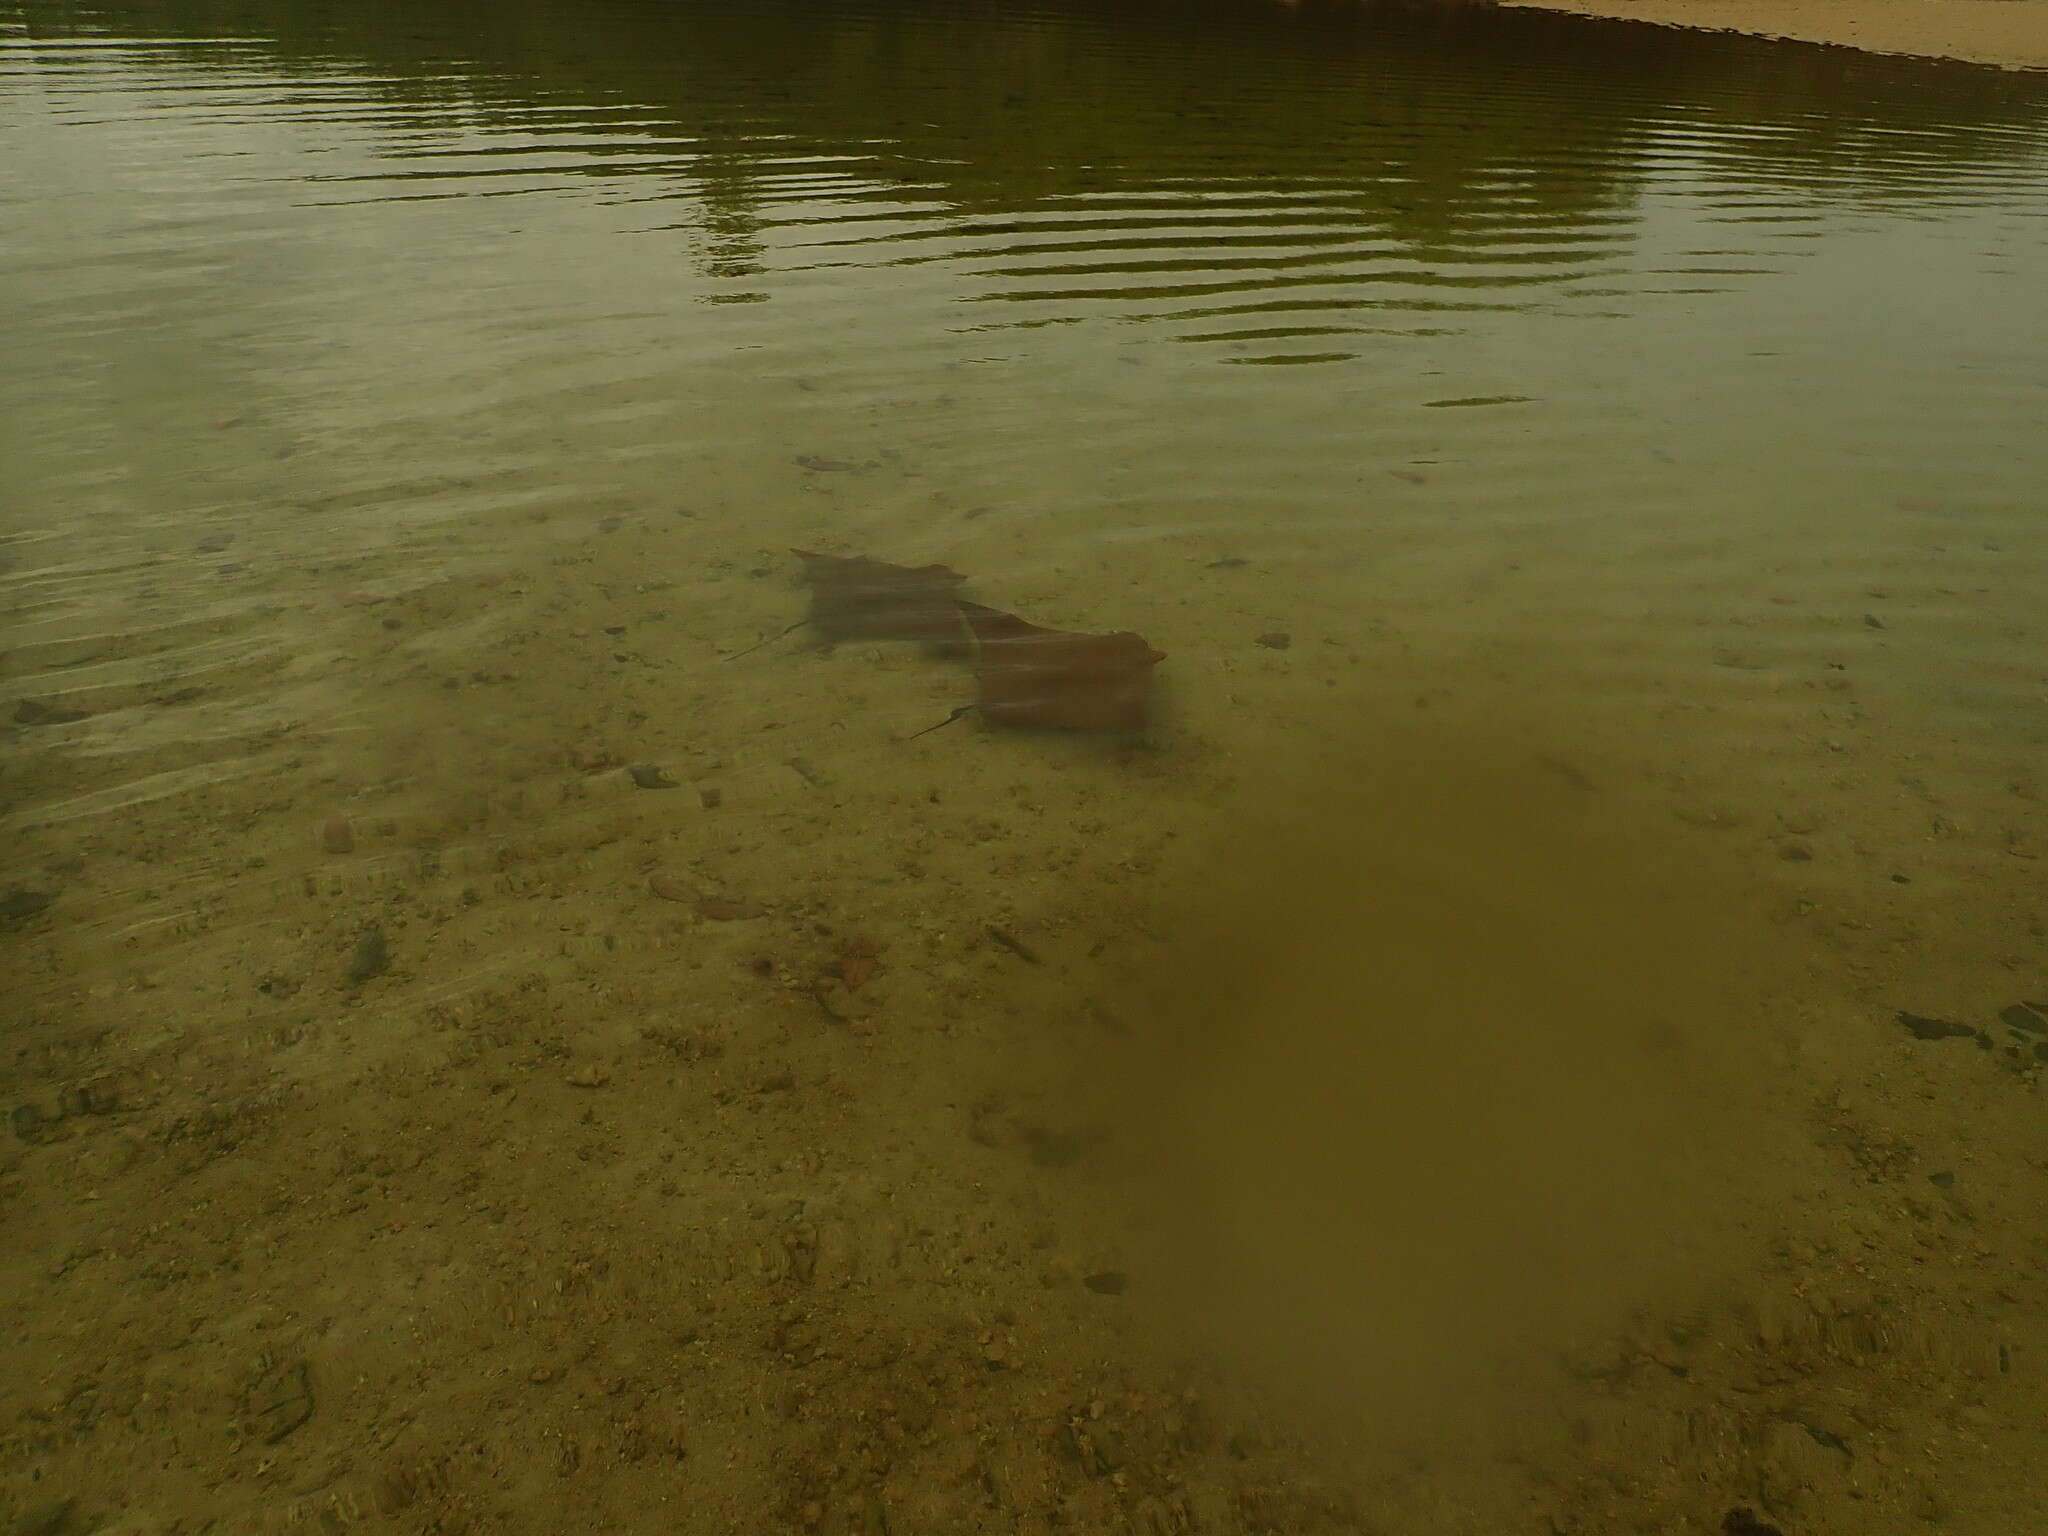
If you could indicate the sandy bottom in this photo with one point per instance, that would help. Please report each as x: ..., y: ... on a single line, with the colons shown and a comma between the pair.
x: 2012, y: 34
x: 1542, y: 1036
x: 1436, y: 1125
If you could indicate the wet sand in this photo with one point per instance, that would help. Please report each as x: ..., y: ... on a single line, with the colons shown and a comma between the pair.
x: 2012, y: 34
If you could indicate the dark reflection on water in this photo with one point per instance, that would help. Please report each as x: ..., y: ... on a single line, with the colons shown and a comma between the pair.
x: 1249, y: 172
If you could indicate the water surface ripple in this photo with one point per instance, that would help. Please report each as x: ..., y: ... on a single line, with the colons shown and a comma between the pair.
x: 1431, y: 322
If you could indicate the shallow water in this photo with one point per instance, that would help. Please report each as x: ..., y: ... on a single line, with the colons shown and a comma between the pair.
x: 1682, y: 363
x: 402, y: 418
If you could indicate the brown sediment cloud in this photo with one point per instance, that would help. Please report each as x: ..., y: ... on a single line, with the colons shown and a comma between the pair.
x: 1456, y: 1059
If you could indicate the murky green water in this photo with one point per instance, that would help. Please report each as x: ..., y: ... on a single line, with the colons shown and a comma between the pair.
x: 404, y: 410
x: 1657, y: 350
x: 1367, y: 295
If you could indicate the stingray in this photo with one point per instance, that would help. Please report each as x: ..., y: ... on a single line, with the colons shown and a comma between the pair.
x: 861, y: 599
x: 1027, y: 675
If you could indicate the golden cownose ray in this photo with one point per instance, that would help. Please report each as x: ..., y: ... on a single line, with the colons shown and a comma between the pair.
x: 861, y: 599
x: 1028, y: 675
x: 1025, y: 674
x: 855, y: 598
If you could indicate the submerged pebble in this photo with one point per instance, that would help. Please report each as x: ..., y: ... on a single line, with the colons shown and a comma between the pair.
x: 372, y: 957
x: 50, y: 1518
x: 29, y: 712
x: 671, y: 887
x: 1922, y: 1027
x: 20, y: 904
x: 336, y: 836
x: 2031, y: 1017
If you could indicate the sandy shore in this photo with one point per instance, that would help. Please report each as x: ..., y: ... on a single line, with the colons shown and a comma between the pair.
x: 2012, y: 34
